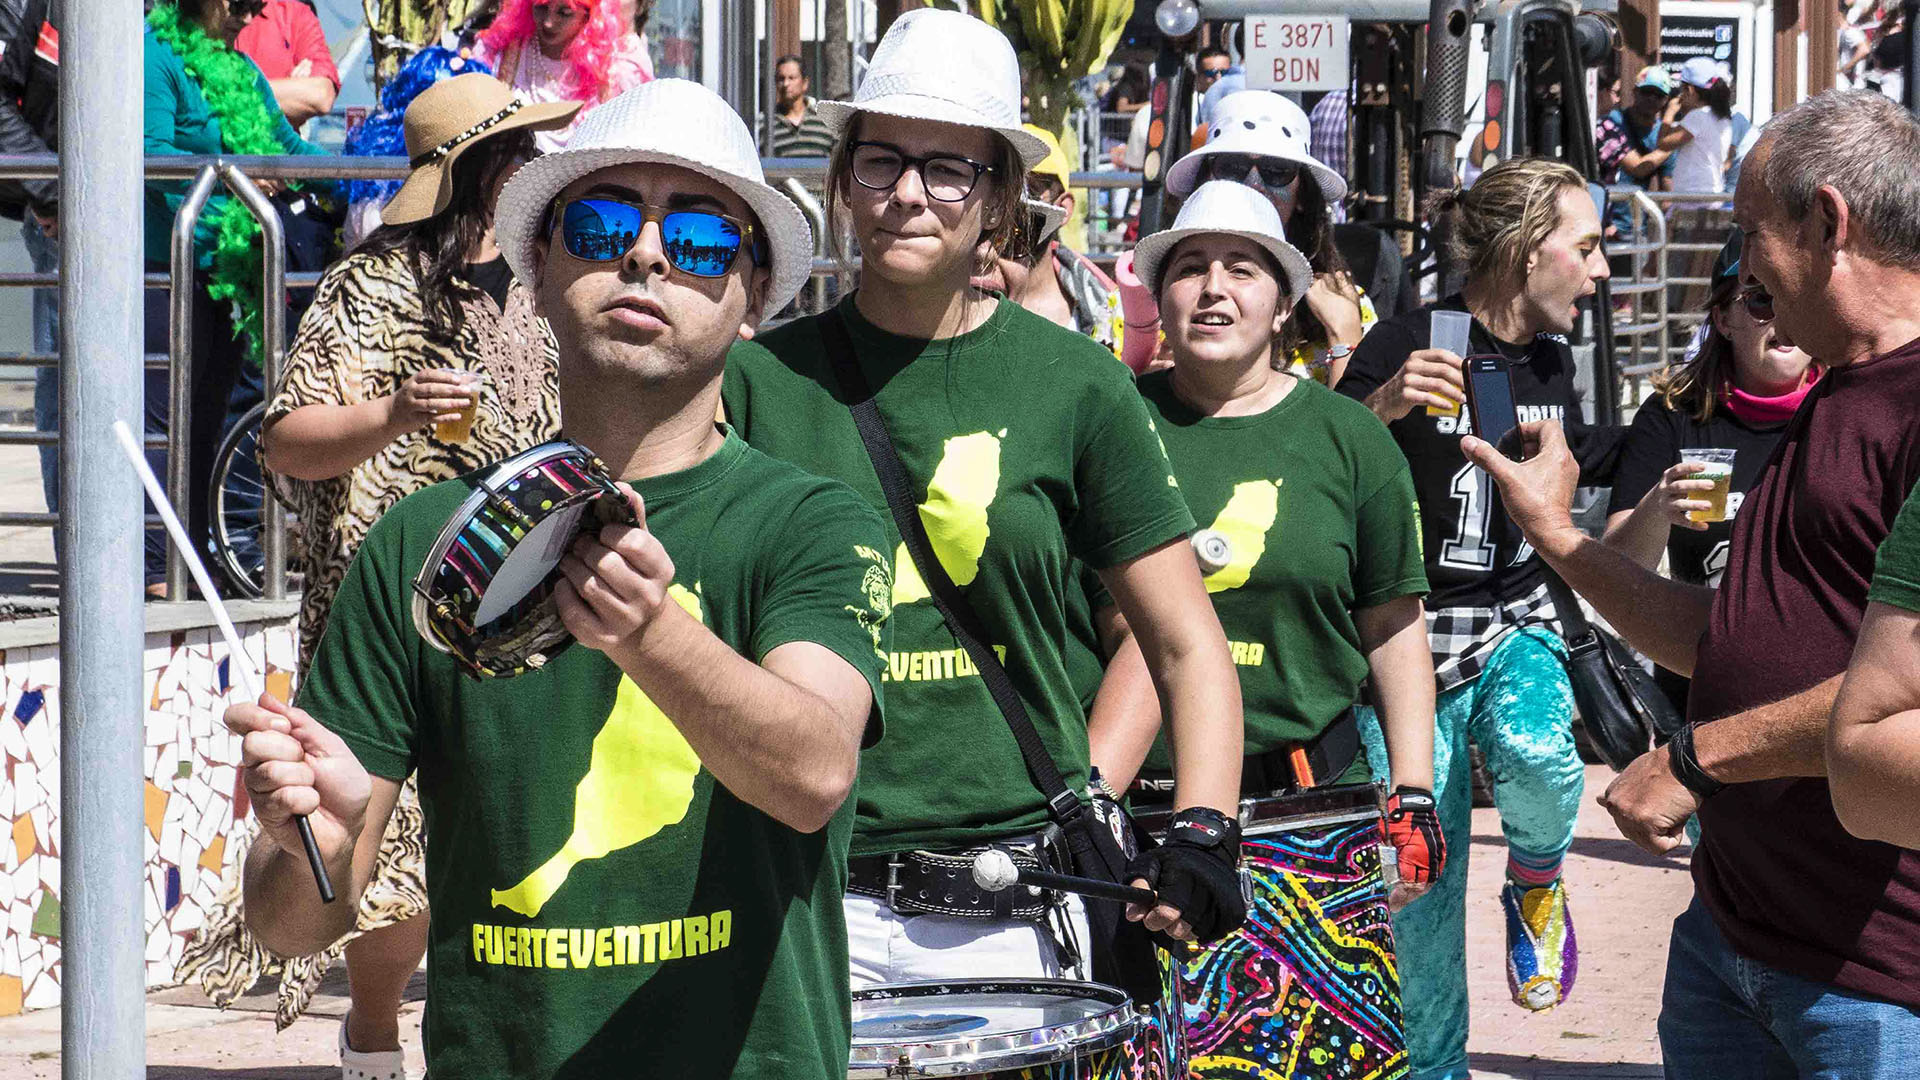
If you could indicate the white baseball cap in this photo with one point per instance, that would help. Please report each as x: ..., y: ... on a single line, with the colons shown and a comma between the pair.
x: 1702, y: 72
x: 668, y: 122
x: 1264, y: 124
x: 1222, y: 206
x: 944, y: 66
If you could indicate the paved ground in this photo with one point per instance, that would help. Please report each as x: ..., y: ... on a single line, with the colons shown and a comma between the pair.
x: 1622, y: 900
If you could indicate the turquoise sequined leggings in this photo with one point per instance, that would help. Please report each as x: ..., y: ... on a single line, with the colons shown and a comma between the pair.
x: 1520, y: 712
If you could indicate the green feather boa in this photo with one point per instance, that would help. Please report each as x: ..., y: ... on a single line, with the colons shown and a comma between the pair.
x: 230, y: 84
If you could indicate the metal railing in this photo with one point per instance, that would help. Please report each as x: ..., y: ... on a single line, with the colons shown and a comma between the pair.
x: 1676, y: 237
x: 238, y: 174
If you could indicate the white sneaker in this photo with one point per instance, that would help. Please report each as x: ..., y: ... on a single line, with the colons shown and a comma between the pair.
x: 375, y: 1065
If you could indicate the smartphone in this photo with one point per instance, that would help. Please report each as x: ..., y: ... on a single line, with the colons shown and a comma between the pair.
x: 1490, y: 396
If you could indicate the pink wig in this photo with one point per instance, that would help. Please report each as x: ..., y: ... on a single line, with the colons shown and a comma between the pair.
x: 591, y: 52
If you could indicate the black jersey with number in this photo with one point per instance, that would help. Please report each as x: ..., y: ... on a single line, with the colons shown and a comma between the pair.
x: 1475, y: 556
x: 1652, y: 445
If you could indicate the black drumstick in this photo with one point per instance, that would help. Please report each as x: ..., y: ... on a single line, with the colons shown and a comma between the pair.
x: 994, y: 870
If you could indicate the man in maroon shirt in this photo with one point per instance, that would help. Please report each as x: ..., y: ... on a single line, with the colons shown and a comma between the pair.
x: 1801, y: 953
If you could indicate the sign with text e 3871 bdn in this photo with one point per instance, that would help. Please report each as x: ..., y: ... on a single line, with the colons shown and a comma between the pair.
x: 1296, y: 52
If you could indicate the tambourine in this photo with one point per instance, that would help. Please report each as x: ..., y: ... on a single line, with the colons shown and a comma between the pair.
x: 485, y: 594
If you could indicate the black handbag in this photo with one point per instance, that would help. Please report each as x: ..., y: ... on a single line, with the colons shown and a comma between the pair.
x: 1620, y: 704
x: 1099, y: 842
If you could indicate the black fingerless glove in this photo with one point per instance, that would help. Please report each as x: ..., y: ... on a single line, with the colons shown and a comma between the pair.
x: 1197, y: 872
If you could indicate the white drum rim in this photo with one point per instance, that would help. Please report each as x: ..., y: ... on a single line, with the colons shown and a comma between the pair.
x: 991, y: 1052
x: 484, y: 491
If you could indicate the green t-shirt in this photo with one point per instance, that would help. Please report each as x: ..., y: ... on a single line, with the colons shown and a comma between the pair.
x: 1028, y: 447
x: 1317, y: 504
x: 601, y: 906
x: 1896, y: 569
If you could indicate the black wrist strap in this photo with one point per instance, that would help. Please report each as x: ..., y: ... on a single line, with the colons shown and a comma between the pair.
x: 1062, y: 804
x: 1686, y: 766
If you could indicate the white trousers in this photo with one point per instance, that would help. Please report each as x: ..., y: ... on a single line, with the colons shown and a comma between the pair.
x: 885, y: 947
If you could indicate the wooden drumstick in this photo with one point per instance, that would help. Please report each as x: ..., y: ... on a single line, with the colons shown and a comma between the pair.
x: 238, y: 664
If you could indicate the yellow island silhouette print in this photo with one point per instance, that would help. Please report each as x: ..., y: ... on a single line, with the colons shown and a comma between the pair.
x: 639, y: 780
x: 1245, y: 521
x: 954, y: 513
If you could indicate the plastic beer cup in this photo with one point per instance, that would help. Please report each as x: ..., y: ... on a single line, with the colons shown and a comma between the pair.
x: 1449, y: 330
x: 1719, y: 469
x: 458, y: 430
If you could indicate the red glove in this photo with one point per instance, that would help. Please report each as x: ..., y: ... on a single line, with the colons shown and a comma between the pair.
x: 1413, y: 828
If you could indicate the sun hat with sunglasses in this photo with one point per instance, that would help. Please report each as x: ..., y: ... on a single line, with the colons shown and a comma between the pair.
x: 1255, y: 124
x: 947, y: 67
x: 667, y: 122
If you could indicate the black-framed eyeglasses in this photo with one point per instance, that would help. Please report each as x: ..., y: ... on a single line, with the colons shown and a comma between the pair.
x: 947, y: 177
x: 1274, y: 173
x: 1759, y: 304
x: 696, y: 242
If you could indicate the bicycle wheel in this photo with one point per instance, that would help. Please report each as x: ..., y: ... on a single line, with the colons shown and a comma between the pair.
x: 238, y: 505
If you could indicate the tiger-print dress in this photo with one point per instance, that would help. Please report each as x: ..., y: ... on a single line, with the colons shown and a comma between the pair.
x: 364, y: 336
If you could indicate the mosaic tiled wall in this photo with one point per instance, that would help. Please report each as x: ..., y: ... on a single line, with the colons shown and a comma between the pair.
x: 193, y: 797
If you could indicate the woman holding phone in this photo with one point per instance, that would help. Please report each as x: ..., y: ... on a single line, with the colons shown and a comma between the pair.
x: 1026, y: 449
x: 1529, y: 237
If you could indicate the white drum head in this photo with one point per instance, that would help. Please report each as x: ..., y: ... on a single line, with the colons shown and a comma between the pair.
x: 528, y: 564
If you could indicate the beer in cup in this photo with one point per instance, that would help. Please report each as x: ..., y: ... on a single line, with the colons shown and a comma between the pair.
x: 457, y: 430
x: 1448, y: 330
x: 1719, y: 469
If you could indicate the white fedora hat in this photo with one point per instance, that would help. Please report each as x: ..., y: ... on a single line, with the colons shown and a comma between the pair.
x: 1264, y: 124
x: 670, y: 122
x: 1051, y: 216
x: 1224, y: 207
x: 945, y: 66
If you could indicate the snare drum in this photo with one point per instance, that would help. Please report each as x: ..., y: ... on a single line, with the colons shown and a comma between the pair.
x: 485, y: 594
x: 1309, y: 987
x: 1030, y: 1029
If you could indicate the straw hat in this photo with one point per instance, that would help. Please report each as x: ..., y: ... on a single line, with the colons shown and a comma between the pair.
x: 1262, y: 123
x: 668, y: 122
x: 445, y: 121
x: 1222, y: 206
x: 948, y: 67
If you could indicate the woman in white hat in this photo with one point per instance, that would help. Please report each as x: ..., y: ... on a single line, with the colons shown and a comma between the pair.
x: 1025, y: 447
x: 1309, y: 526
x: 1261, y: 139
x: 1699, y: 127
x: 400, y: 336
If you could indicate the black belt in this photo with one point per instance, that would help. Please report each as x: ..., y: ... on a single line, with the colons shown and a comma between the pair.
x: 941, y: 882
x: 1329, y: 755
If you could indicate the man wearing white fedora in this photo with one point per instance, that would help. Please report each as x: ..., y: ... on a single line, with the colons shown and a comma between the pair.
x: 636, y: 851
x: 1021, y: 447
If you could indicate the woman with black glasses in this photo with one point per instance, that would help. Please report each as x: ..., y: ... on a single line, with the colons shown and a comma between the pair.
x: 1026, y: 447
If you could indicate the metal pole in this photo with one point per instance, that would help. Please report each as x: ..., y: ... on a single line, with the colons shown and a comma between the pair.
x: 273, y: 356
x: 180, y: 478
x: 102, y: 622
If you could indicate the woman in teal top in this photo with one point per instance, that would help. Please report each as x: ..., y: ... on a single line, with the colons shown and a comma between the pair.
x: 202, y: 97
x: 1310, y: 535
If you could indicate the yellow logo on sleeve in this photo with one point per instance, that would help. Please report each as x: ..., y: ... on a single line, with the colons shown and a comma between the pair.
x: 954, y: 513
x: 639, y: 780
x: 1245, y: 521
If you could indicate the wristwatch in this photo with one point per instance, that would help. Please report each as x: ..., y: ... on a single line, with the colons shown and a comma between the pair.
x: 1686, y: 766
x: 1338, y: 352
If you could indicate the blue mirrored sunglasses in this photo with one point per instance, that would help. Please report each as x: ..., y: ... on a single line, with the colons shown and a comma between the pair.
x: 697, y: 242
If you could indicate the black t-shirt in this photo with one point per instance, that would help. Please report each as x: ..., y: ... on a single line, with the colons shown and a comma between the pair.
x: 1475, y: 556
x: 1652, y: 446
x: 493, y: 277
